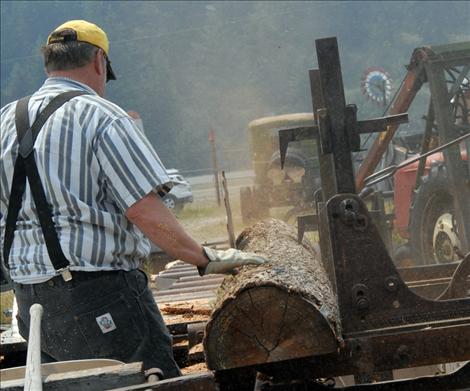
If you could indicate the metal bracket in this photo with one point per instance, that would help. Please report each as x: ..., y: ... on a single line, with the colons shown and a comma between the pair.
x: 306, y: 223
x: 323, y: 132
x: 294, y: 134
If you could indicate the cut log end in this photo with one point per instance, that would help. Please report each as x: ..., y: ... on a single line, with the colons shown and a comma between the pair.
x: 266, y: 324
x: 284, y: 309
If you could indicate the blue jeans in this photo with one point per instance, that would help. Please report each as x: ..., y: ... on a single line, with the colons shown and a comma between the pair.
x: 99, y: 315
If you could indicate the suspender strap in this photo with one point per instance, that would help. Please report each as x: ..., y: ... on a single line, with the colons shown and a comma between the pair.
x: 18, y: 183
x: 25, y: 167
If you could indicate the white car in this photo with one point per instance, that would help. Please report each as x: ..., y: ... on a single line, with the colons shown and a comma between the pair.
x: 180, y: 193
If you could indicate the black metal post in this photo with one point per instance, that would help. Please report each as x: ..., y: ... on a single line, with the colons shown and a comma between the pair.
x: 333, y: 97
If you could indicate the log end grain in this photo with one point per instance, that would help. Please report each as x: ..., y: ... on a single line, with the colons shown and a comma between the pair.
x: 266, y: 324
x: 285, y: 309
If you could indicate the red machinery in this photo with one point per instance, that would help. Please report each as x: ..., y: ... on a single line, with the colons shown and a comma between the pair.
x: 431, y: 195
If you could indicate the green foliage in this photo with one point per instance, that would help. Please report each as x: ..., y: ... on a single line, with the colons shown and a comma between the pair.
x: 188, y: 67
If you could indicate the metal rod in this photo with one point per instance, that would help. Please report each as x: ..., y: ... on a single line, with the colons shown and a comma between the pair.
x: 400, y: 104
x: 215, y: 165
x: 33, y: 380
x: 426, y: 143
x: 228, y: 210
x: 389, y: 171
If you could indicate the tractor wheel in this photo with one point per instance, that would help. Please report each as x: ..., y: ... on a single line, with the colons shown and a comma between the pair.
x: 434, y: 236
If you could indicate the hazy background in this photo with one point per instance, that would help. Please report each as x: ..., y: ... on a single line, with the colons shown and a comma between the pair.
x: 187, y: 67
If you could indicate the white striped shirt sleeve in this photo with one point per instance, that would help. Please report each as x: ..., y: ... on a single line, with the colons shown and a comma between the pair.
x: 131, y: 166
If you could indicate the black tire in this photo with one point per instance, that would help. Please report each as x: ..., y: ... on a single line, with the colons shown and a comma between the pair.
x: 432, y: 201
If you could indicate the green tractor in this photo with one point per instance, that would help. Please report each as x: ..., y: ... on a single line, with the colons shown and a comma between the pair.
x: 294, y: 186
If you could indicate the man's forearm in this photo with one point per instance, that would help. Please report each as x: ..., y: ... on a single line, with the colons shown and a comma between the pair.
x: 159, y: 224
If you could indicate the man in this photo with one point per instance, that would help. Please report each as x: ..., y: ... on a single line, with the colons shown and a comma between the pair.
x: 76, y: 248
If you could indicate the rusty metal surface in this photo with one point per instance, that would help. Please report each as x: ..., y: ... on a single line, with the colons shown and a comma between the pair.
x: 334, y: 123
x: 428, y: 272
x: 325, y: 160
x: 407, y: 92
x: 458, y: 175
x: 386, y: 325
x: 458, y: 380
x: 391, y: 170
x: 458, y: 285
x: 371, y: 293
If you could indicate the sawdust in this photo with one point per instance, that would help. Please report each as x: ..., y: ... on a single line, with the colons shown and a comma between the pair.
x: 171, y: 319
x: 196, y: 349
x: 185, y: 311
x: 199, y: 367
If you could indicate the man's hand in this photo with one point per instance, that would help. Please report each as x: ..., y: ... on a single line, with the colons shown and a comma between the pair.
x: 224, y: 262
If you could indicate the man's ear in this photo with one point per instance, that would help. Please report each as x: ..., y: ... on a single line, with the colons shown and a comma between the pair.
x: 99, y: 62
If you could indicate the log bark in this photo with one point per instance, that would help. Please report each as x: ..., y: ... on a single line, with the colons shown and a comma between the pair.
x: 281, y: 310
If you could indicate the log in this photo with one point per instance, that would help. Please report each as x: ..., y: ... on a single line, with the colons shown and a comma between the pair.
x: 281, y: 310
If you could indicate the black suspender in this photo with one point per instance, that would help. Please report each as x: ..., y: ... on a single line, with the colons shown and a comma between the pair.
x: 25, y: 167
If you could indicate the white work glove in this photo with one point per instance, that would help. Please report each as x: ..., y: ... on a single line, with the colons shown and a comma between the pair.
x: 225, y: 261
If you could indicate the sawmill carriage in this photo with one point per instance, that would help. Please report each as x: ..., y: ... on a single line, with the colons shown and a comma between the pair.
x: 376, y: 319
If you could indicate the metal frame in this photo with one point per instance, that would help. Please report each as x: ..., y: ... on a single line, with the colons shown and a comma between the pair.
x: 385, y: 324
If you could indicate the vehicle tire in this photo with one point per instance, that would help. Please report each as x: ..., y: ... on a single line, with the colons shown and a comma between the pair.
x: 432, y: 222
x: 171, y: 202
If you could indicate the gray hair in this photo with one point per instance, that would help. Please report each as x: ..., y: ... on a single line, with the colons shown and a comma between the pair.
x: 66, y: 56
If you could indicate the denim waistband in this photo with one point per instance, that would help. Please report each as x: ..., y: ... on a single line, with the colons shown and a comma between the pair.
x: 77, y: 277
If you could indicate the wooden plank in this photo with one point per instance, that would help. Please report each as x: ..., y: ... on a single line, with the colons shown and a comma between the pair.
x: 97, y: 379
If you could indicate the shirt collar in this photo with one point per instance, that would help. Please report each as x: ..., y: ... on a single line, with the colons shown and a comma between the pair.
x: 66, y: 81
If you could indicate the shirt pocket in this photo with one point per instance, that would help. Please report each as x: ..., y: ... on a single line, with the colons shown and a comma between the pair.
x: 112, y: 329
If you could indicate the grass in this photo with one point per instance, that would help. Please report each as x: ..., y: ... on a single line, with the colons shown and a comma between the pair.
x: 206, y: 221
x: 201, y: 209
x: 6, y: 305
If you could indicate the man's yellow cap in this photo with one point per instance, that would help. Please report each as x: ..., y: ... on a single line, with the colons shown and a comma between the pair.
x: 82, y: 31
